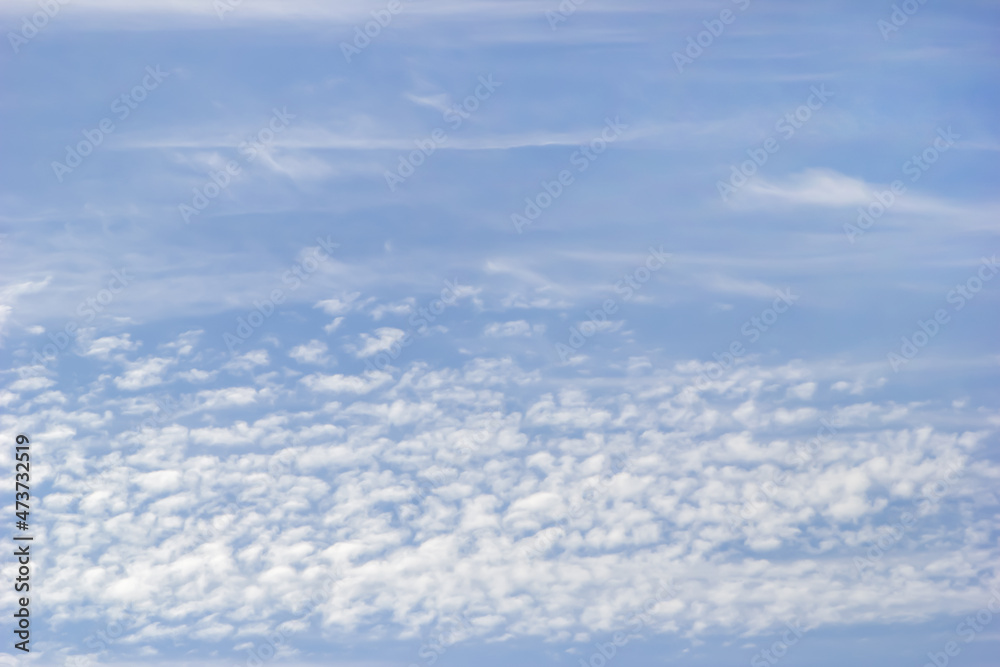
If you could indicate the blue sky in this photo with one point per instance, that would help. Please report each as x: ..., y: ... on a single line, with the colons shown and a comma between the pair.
x: 512, y: 331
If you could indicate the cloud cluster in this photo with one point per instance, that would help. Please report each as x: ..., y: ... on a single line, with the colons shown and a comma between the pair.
x: 430, y: 494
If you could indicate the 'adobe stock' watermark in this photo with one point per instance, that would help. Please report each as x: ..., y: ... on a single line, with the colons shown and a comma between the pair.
x: 454, y: 116
x: 562, y: 13
x: 899, y: 17
x: 961, y: 295
x: 31, y: 27
x: 87, y: 310
x: 102, y: 640
x: 761, y: 495
x: 223, y: 7
x: 544, y: 539
x: 122, y: 107
x: 753, y: 328
x: 599, y: 319
x: 779, y: 649
x: 249, y: 149
x: 967, y: 630
x: 294, y: 278
x: 381, y: 18
x: 419, y: 321
x: 581, y: 159
x: 787, y: 125
x: 606, y: 652
x: 696, y: 44
x: 915, y: 168
x: 319, y: 594
x: 893, y: 534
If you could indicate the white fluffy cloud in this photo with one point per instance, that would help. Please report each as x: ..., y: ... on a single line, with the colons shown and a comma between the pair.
x: 103, y: 347
x: 248, y: 361
x: 143, y: 373
x: 32, y: 383
x: 352, y: 384
x: 12, y: 292
x: 313, y: 352
x: 338, y: 306
x: 383, y: 340
x: 507, y: 329
x: 422, y: 490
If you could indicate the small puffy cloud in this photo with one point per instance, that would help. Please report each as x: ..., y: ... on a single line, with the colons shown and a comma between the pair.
x: 230, y: 396
x: 313, y: 352
x: 102, y: 348
x: 352, y: 384
x: 404, y: 307
x: 338, y: 306
x: 239, y: 433
x: 248, y: 361
x: 160, y: 481
x: 507, y: 329
x: 384, y: 339
x: 639, y: 364
x: 723, y: 284
x: 534, y: 302
x: 574, y: 359
x: 785, y: 416
x: 185, y: 342
x: 196, y: 376
x: 31, y: 384
x: 818, y: 187
x: 10, y: 294
x: 458, y: 291
x: 859, y: 386
x: 143, y: 373
x: 802, y: 391
x: 50, y: 397
x: 589, y: 327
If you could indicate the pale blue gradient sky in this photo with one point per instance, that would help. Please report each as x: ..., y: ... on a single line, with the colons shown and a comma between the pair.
x: 500, y: 409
